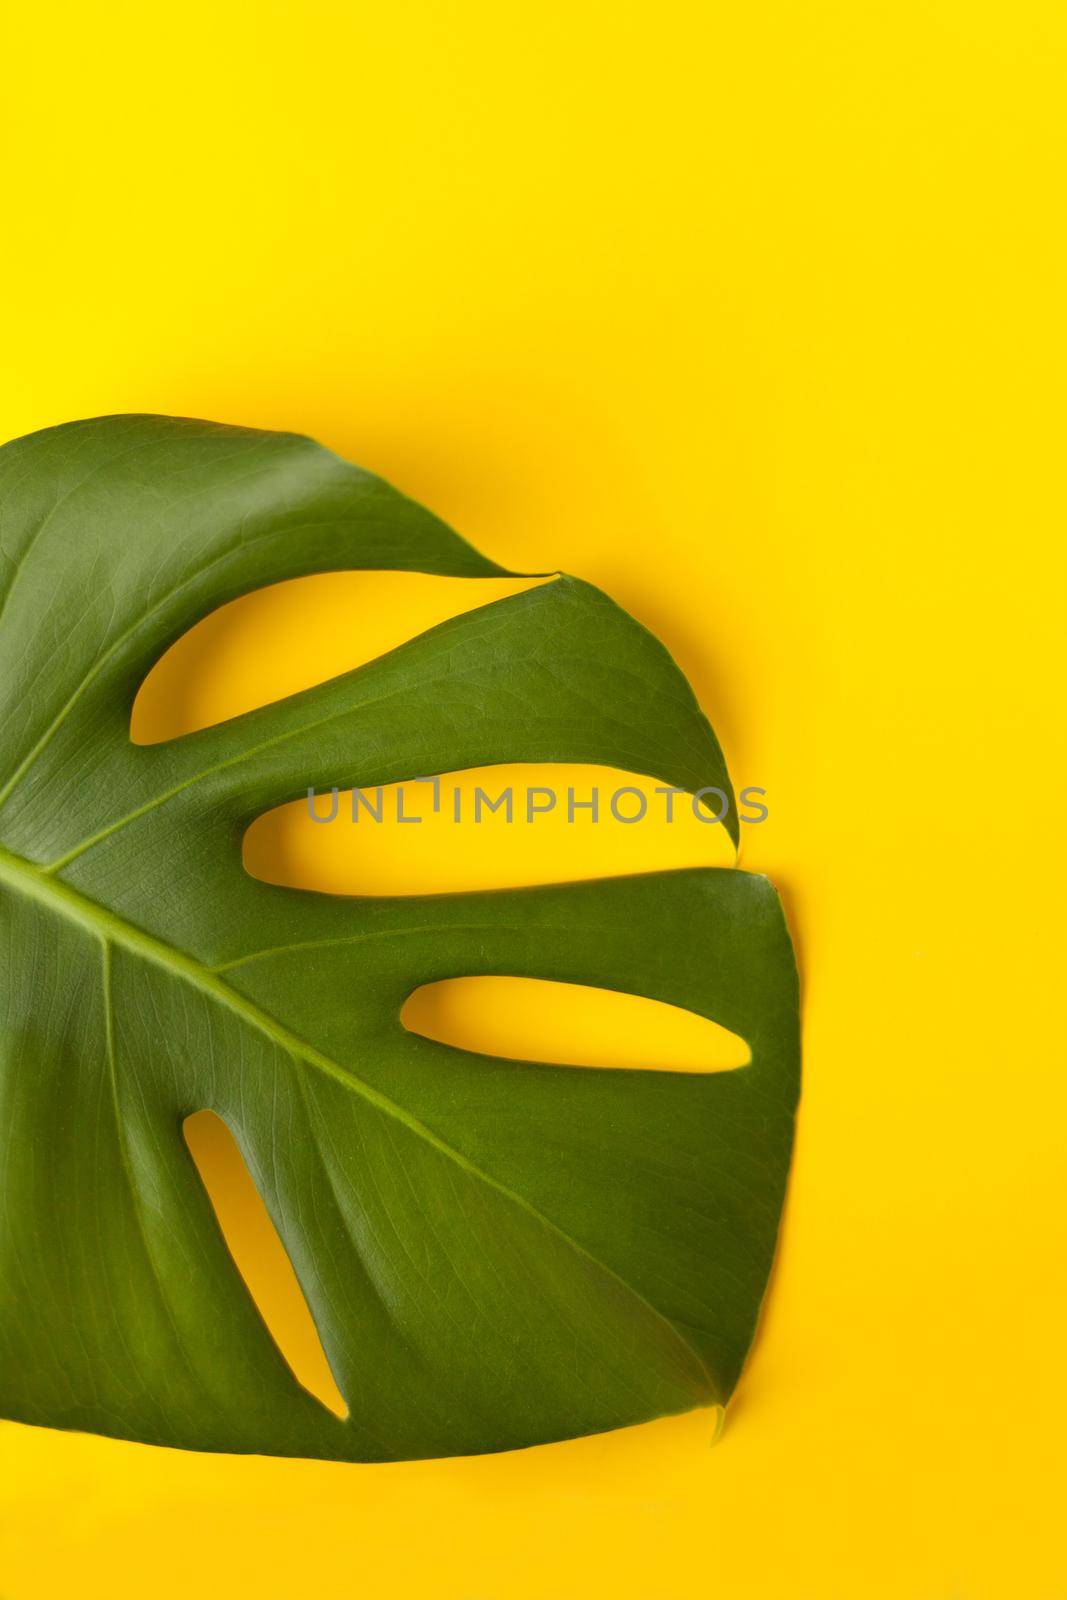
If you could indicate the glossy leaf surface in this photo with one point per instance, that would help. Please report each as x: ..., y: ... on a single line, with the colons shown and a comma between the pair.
x: 495, y: 1253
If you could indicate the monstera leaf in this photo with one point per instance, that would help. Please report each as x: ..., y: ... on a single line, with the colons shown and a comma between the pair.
x: 495, y: 1253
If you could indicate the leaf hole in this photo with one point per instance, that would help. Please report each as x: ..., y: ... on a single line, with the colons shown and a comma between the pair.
x: 260, y: 1256
x: 290, y: 636
x: 472, y: 839
x: 570, y: 1024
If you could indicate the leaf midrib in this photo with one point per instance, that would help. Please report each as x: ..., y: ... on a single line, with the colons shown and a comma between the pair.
x: 61, y: 899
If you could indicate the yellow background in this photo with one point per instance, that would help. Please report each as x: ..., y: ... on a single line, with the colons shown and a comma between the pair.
x: 754, y: 315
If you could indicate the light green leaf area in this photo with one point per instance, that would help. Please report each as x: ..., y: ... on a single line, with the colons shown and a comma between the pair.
x: 495, y: 1253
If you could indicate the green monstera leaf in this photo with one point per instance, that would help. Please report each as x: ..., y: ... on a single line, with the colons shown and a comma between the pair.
x: 495, y: 1253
